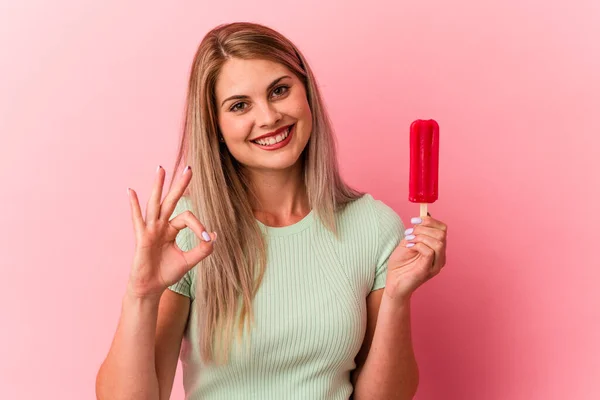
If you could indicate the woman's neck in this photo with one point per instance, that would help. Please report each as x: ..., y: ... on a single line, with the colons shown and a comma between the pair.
x: 279, y: 197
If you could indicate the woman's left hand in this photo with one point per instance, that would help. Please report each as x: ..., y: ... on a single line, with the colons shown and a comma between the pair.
x: 411, y: 265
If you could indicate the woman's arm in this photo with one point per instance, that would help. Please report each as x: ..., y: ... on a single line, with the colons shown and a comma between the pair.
x: 129, y: 371
x: 142, y: 360
x: 386, y: 364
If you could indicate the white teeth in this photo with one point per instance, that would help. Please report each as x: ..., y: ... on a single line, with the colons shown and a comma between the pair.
x: 273, y: 140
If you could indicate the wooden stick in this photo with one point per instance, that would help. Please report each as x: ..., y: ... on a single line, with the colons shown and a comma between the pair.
x: 423, y: 210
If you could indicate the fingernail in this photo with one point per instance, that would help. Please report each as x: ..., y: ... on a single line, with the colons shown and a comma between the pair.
x: 128, y: 191
x: 410, y: 237
x: 158, y: 168
x: 416, y: 220
x: 206, y: 236
x: 215, y: 236
x: 410, y: 245
x: 409, y: 231
x: 186, y: 170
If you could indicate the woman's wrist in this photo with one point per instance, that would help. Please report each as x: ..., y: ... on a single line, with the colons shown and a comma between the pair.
x: 400, y: 300
x: 145, y: 301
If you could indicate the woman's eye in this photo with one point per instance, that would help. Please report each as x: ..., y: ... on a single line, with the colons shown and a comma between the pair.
x: 238, y: 106
x: 280, y: 90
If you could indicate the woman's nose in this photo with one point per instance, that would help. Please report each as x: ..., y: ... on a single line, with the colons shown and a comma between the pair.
x: 268, y: 115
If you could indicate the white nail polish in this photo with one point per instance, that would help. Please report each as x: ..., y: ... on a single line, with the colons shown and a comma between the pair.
x: 409, y: 231
x: 206, y: 236
x: 416, y: 220
x: 410, y: 245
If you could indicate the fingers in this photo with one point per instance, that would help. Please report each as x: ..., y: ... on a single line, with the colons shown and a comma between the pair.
x: 428, y: 253
x: 200, y: 252
x: 432, y: 244
x: 431, y: 249
x: 136, y: 212
x: 206, y: 240
x: 423, y: 230
x: 188, y: 220
x: 171, y: 199
x: 431, y: 222
x: 428, y: 238
x: 431, y: 232
x: 153, y: 207
x: 434, y: 263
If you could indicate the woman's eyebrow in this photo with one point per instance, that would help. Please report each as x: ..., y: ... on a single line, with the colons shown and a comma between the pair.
x: 242, y: 97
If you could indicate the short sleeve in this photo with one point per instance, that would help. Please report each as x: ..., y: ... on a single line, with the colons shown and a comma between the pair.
x: 185, y: 286
x: 390, y: 232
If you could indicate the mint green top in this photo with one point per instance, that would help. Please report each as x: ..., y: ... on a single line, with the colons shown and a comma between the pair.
x: 310, y: 311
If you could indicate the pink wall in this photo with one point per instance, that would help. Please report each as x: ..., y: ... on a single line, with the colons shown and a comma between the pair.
x: 91, y: 101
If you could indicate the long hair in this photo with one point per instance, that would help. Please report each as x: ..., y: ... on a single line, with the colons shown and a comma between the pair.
x: 227, y: 280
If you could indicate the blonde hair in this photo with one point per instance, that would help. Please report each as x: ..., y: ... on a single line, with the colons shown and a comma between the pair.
x: 219, y: 192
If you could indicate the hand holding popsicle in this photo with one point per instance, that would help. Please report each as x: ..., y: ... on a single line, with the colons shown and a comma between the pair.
x: 420, y: 256
x: 422, y: 253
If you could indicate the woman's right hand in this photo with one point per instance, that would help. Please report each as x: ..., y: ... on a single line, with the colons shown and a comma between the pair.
x: 158, y: 262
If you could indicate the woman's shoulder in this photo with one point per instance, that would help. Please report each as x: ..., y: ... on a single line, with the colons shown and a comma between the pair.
x: 368, y: 213
x: 367, y: 205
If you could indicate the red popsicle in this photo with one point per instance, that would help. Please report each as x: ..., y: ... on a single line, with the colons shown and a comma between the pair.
x: 424, y: 163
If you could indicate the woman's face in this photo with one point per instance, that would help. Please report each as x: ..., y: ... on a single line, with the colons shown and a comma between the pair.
x: 263, y: 113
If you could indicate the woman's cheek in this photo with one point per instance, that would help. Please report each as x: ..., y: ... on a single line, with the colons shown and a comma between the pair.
x: 236, y: 129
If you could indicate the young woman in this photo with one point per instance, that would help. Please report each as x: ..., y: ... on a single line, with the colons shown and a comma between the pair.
x: 306, y: 292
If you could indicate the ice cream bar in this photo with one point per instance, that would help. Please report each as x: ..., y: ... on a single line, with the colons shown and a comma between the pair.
x: 424, y: 163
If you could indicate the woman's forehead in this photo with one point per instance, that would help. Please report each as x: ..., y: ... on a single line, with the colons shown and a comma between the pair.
x: 243, y: 77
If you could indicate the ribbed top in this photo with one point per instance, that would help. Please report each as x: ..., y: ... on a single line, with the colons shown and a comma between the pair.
x: 310, y: 311
x: 299, y: 226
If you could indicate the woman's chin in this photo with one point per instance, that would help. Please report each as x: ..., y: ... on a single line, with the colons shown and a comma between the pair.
x: 282, y: 163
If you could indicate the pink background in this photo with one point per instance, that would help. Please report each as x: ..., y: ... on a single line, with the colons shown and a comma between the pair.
x: 91, y: 100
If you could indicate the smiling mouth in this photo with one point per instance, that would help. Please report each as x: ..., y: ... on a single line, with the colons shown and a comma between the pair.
x: 273, y: 140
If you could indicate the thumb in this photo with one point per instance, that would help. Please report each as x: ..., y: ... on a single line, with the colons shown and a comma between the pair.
x: 202, y: 250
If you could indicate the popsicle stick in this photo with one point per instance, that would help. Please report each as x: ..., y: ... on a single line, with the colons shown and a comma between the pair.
x: 423, y: 210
